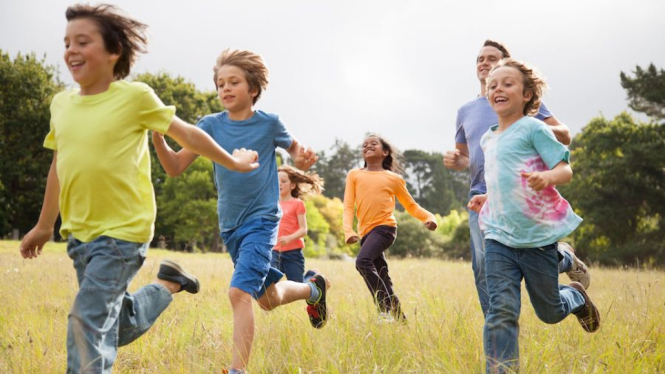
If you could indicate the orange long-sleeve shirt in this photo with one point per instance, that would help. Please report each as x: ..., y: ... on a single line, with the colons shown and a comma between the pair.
x: 374, y: 193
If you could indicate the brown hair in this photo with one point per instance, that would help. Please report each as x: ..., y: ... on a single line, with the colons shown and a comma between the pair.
x: 122, y: 35
x: 252, y: 64
x: 532, y: 81
x: 306, y: 183
x: 498, y: 45
x: 394, y: 161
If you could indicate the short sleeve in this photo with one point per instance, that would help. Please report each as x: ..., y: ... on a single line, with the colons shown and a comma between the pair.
x: 204, y: 125
x: 153, y: 114
x: 550, y: 150
x: 460, y: 135
x: 543, y: 112
x: 283, y: 138
x: 300, y: 208
x: 49, y: 141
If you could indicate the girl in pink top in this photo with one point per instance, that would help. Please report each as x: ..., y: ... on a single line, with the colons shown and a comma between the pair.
x: 294, y: 185
x: 372, y: 191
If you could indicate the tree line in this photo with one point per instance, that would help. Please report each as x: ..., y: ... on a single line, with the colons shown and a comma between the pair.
x: 618, y: 187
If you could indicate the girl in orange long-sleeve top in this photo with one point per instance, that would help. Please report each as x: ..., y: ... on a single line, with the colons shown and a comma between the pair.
x: 372, y: 191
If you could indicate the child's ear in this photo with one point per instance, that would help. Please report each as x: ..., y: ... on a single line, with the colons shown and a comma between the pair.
x: 527, y: 96
x: 253, y: 92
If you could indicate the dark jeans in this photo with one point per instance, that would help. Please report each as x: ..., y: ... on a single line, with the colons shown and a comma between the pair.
x: 371, y: 264
x: 291, y: 263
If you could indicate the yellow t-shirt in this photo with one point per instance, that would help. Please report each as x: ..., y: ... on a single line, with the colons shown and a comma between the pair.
x: 373, y: 193
x: 103, y: 160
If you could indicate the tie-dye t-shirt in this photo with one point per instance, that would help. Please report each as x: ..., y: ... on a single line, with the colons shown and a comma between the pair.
x: 514, y: 214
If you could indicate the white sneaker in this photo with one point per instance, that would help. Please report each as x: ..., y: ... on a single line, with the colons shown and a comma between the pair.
x: 578, y: 272
x: 386, y: 317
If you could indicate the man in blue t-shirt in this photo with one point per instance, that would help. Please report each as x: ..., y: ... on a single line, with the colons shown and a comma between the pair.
x: 473, y: 120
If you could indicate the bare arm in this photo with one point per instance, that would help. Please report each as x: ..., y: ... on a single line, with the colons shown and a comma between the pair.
x: 174, y: 163
x: 457, y: 159
x: 560, y: 174
x: 33, y: 242
x: 303, y: 157
x: 198, y: 142
x: 561, y: 131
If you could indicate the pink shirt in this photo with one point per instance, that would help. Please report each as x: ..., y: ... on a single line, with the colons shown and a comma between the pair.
x: 289, y: 223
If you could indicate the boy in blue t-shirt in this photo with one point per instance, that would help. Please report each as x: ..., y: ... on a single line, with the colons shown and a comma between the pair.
x: 248, y: 204
x: 473, y: 120
x: 523, y: 216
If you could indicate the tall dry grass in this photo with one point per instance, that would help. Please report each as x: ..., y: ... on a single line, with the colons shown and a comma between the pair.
x: 443, y: 334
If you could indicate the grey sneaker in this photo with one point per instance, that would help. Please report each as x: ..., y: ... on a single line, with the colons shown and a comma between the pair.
x: 578, y: 272
x: 589, y: 317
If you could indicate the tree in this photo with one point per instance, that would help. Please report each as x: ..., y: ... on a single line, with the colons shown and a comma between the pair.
x: 414, y: 239
x: 333, y: 169
x: 27, y: 86
x: 646, y: 91
x: 434, y: 187
x: 619, y: 190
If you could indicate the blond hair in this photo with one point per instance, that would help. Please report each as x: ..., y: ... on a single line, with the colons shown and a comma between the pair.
x: 307, y: 184
x: 532, y: 80
x: 252, y: 64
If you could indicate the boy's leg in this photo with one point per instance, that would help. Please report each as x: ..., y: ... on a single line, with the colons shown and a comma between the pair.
x: 502, y: 323
x: 372, y: 247
x: 293, y: 263
x: 282, y: 293
x: 243, y: 327
x: 477, y: 244
x: 569, y: 263
x: 141, y: 309
x: 104, y: 268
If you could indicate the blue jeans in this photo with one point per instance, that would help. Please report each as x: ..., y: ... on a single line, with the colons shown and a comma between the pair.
x: 505, y: 267
x: 291, y: 263
x: 250, y: 246
x: 477, y: 241
x: 104, y: 315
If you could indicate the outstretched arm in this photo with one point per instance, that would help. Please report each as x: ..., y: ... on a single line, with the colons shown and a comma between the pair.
x: 560, y: 174
x: 196, y: 142
x: 350, y: 235
x: 33, y: 242
x: 413, y: 207
x: 303, y: 157
x: 561, y: 131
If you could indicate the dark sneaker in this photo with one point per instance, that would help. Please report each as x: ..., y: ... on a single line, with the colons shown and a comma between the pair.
x: 578, y: 272
x: 317, y: 311
x: 589, y: 316
x: 172, y: 272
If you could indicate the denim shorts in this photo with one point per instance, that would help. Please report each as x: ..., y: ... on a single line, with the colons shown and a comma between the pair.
x: 250, y: 246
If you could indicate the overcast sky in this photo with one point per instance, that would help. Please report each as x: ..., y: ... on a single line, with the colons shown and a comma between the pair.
x: 339, y: 69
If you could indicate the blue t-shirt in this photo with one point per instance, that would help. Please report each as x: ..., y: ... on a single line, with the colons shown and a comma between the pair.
x: 515, y: 214
x: 473, y: 120
x: 242, y: 196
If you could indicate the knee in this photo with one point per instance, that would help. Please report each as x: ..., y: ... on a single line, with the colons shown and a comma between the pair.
x: 363, y: 264
x: 265, y: 303
x: 550, y: 318
x: 238, y: 296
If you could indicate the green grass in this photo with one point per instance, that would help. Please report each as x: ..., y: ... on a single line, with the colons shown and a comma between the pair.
x: 444, y: 333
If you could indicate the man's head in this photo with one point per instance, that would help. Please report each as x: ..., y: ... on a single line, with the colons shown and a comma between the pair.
x: 490, y: 54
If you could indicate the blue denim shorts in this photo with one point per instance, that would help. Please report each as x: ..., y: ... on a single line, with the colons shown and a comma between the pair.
x: 250, y: 246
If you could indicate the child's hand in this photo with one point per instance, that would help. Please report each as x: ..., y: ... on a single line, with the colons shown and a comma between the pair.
x: 476, y: 203
x: 353, y: 239
x: 431, y: 225
x: 245, y: 160
x: 537, y: 180
x: 283, y: 240
x: 33, y: 242
x: 305, y: 158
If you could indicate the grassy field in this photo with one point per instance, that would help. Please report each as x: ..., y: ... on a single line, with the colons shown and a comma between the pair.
x: 444, y: 333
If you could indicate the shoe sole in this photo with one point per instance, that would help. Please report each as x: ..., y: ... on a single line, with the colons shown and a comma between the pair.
x: 320, y: 322
x: 185, y: 274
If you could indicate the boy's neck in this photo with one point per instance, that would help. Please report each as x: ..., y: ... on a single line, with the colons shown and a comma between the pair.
x: 241, y: 115
x: 509, y: 120
x: 97, y: 87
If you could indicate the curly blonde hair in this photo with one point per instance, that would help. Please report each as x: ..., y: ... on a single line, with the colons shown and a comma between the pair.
x: 252, y: 64
x: 307, y: 184
x: 532, y: 80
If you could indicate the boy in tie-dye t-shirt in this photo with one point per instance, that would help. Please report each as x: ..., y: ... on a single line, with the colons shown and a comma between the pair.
x: 521, y: 217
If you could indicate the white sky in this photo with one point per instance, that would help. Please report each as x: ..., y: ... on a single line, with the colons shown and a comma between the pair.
x: 339, y: 69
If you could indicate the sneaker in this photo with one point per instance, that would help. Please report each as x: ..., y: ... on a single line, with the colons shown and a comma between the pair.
x: 317, y: 311
x: 589, y: 316
x: 578, y: 271
x: 172, y: 272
